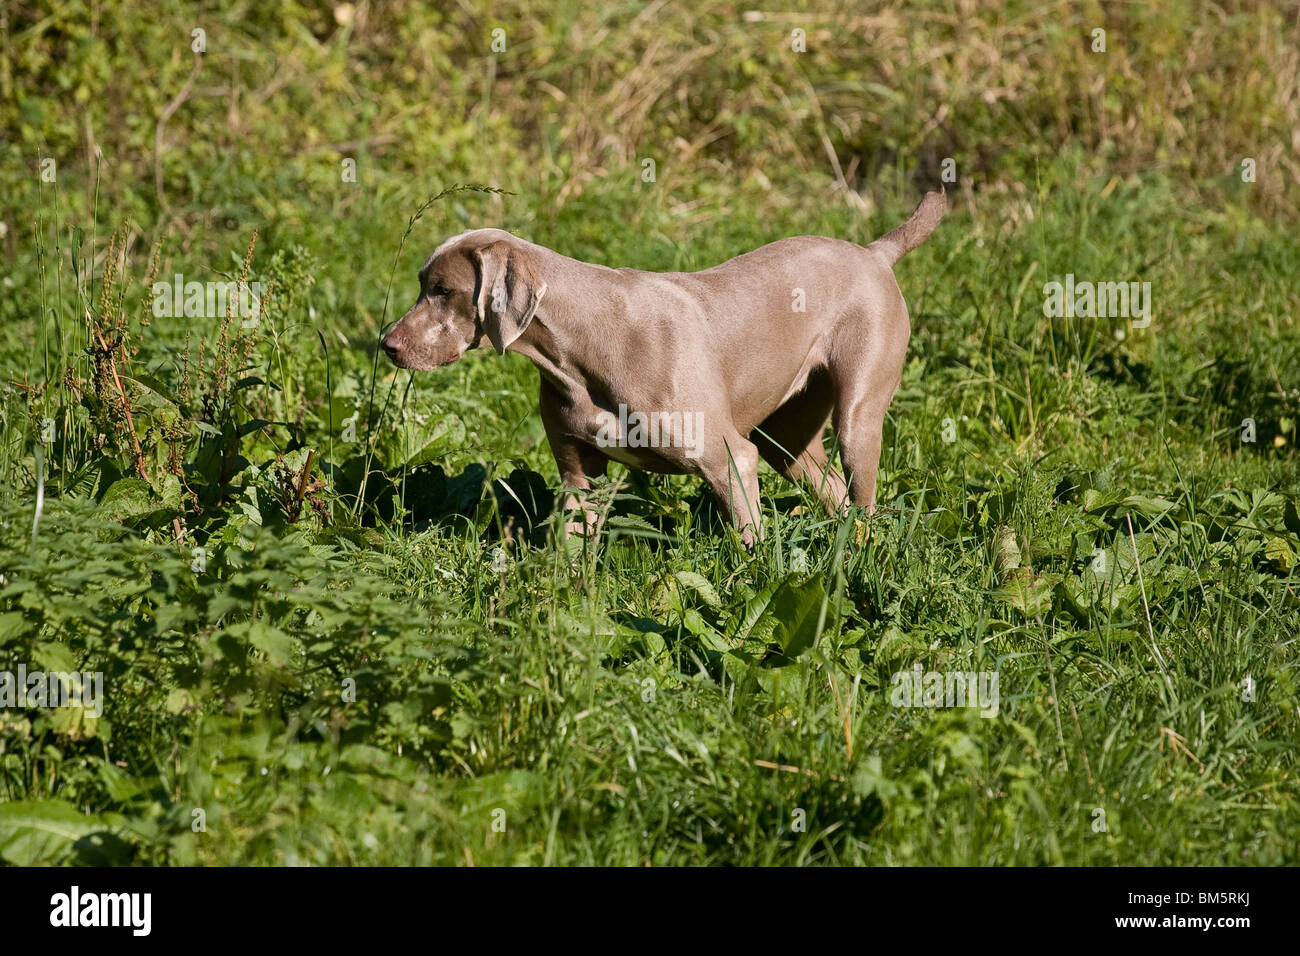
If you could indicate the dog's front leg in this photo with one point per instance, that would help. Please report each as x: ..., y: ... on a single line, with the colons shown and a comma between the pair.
x: 730, y: 467
x: 577, y: 461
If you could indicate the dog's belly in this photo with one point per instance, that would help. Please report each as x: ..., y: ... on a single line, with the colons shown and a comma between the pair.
x: 646, y: 460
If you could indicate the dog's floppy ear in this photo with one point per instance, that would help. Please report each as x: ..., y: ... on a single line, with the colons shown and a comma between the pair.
x: 509, y: 292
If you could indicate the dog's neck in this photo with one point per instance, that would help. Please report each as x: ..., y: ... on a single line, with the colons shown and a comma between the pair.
x: 559, y: 343
x: 541, y: 345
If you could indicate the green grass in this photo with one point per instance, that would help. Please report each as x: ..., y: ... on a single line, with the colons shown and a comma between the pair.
x: 385, y: 656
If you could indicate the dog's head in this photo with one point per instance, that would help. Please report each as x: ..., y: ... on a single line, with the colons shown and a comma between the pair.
x: 479, y: 284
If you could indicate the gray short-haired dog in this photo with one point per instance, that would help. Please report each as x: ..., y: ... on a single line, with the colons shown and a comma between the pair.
x: 698, y: 372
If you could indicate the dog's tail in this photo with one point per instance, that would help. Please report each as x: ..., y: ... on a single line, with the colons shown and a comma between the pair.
x: 894, y: 245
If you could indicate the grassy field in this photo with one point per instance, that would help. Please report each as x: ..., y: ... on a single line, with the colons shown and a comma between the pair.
x: 333, y: 618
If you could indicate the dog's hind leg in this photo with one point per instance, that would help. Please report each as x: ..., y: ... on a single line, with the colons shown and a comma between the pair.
x: 790, y: 440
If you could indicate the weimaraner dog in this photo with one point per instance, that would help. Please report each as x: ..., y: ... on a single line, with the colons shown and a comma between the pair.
x: 698, y: 372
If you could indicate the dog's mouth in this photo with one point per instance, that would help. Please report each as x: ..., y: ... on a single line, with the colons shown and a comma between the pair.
x: 419, y: 363
x: 455, y: 357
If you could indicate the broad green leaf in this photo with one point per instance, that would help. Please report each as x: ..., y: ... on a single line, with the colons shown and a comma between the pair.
x: 277, y: 645
x: 797, y: 610
x: 126, y: 498
x: 698, y: 583
x: 1278, y: 553
x: 42, y: 832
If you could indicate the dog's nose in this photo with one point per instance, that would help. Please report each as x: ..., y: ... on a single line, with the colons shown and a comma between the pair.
x: 390, y: 345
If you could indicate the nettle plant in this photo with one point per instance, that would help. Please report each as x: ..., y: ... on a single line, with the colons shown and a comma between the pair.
x: 173, y: 427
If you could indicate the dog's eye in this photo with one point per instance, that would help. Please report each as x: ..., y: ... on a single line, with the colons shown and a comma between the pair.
x: 439, y: 291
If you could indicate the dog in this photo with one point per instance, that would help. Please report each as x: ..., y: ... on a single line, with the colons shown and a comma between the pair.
x: 700, y: 372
